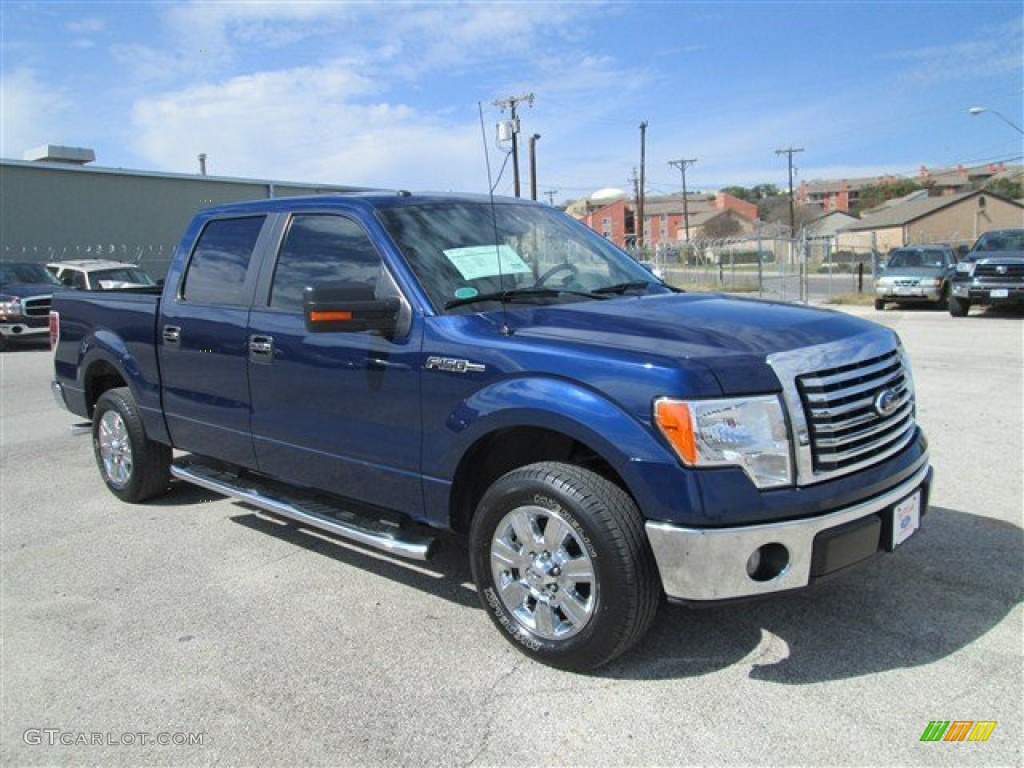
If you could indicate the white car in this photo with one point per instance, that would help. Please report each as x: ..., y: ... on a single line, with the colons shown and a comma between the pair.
x: 100, y: 274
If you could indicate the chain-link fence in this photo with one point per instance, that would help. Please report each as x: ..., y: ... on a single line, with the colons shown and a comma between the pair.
x: 774, y: 267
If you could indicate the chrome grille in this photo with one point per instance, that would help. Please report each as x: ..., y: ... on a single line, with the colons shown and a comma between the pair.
x: 38, y: 306
x: 857, y: 414
x: 1000, y: 271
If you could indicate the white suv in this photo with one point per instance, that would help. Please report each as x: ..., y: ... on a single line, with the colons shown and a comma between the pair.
x: 99, y: 274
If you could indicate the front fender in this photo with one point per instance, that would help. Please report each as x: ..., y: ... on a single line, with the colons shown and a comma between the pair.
x: 651, y: 472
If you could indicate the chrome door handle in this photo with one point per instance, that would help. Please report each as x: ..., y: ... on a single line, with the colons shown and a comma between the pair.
x: 172, y: 335
x: 261, y: 349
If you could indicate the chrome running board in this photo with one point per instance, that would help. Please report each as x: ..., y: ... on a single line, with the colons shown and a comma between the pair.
x: 316, y: 514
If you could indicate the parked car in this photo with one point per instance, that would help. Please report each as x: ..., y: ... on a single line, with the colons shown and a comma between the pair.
x: 380, y: 365
x: 992, y: 272
x: 25, y: 295
x: 99, y: 274
x: 915, y: 274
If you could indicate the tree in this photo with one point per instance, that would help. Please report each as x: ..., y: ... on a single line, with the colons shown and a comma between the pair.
x: 741, y: 192
x: 1006, y: 187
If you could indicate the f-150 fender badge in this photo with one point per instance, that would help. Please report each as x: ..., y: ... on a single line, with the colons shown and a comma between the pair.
x: 453, y: 365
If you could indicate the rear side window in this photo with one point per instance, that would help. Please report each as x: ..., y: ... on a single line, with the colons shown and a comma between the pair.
x: 220, y: 261
x: 321, y: 248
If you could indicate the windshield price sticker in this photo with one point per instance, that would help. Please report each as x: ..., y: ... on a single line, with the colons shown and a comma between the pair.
x: 478, y: 261
x: 905, y: 519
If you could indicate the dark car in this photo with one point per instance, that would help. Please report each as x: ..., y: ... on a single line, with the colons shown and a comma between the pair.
x: 916, y: 274
x: 992, y: 273
x: 25, y: 294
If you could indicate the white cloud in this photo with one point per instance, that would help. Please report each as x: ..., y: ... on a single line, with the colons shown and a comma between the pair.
x: 303, y: 124
x: 31, y: 113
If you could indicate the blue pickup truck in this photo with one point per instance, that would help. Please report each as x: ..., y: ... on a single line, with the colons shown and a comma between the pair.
x: 383, y: 366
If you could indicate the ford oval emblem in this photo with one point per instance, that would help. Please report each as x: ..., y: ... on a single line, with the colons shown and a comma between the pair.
x: 886, y: 402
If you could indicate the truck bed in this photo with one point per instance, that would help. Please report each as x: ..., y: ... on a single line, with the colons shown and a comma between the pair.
x: 118, y: 326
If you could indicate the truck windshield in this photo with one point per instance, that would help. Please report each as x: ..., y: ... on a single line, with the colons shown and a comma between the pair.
x: 14, y: 273
x: 468, y: 255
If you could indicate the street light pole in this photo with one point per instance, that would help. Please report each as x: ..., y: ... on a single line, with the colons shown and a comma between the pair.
x: 975, y: 111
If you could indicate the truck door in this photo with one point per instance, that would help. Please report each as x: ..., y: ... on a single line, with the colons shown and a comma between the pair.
x: 203, y: 342
x: 337, y: 411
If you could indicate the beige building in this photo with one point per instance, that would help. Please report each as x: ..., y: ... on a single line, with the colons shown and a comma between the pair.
x: 957, y: 219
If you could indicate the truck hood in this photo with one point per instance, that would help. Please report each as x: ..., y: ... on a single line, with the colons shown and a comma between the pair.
x: 729, y: 336
x: 28, y: 290
x: 914, y: 272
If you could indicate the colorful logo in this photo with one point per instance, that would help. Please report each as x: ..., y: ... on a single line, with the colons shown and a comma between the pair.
x: 958, y: 730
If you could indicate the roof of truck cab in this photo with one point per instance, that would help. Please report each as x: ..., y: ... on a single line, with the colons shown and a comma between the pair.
x: 378, y: 199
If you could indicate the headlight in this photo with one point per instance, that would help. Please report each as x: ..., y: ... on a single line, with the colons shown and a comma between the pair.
x: 10, y: 308
x: 965, y: 267
x: 749, y: 433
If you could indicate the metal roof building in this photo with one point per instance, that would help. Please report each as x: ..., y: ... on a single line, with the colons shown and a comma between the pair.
x: 58, y: 208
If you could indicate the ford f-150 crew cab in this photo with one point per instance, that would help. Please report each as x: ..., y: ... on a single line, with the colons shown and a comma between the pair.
x: 386, y: 365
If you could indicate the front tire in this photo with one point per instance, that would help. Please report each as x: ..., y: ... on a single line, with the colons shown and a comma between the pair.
x: 879, y: 304
x: 562, y: 565
x: 133, y: 467
x: 959, y: 307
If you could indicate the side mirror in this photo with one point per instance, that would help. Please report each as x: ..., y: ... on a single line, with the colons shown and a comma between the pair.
x: 348, y: 308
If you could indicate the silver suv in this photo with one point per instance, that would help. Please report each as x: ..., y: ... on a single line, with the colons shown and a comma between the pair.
x: 916, y: 274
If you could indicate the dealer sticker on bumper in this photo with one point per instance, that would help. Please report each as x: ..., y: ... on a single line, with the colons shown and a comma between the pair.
x: 906, y: 518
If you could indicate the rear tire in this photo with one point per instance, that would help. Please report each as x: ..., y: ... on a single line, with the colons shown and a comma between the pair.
x: 133, y: 467
x: 879, y: 304
x: 562, y: 565
x: 959, y: 307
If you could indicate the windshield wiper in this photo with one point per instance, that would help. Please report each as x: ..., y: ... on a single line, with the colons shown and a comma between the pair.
x: 623, y: 287
x: 517, y: 294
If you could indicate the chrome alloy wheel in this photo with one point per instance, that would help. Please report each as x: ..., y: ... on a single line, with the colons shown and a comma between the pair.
x: 115, y: 448
x: 543, y: 572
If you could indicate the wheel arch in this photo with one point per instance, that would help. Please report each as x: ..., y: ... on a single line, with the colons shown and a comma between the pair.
x: 508, y: 448
x: 100, y: 375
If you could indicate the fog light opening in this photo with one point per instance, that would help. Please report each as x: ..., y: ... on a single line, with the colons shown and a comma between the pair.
x: 768, y: 562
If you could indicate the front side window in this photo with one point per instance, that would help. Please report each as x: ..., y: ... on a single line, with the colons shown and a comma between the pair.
x: 321, y: 248
x: 220, y: 261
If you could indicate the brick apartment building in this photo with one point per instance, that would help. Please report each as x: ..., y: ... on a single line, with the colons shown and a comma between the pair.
x: 844, y: 194
x: 664, y: 220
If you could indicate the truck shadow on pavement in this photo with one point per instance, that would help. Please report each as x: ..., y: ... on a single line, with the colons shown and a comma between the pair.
x: 942, y: 590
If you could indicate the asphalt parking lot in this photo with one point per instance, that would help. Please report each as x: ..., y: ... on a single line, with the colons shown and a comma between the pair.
x: 240, y: 640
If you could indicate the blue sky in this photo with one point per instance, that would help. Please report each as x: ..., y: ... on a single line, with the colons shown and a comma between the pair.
x: 386, y: 93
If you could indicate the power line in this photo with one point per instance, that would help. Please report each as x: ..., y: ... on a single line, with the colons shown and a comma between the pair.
x: 511, y: 103
x: 682, y: 164
x: 789, y: 152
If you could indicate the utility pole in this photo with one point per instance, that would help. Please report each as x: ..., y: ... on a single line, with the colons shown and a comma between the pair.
x: 682, y: 164
x: 640, y: 194
x: 792, y: 208
x: 511, y: 103
x: 551, y: 196
x: 533, y: 166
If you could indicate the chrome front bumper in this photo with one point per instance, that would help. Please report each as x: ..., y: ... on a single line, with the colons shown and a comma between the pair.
x: 711, y: 563
x: 22, y: 330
